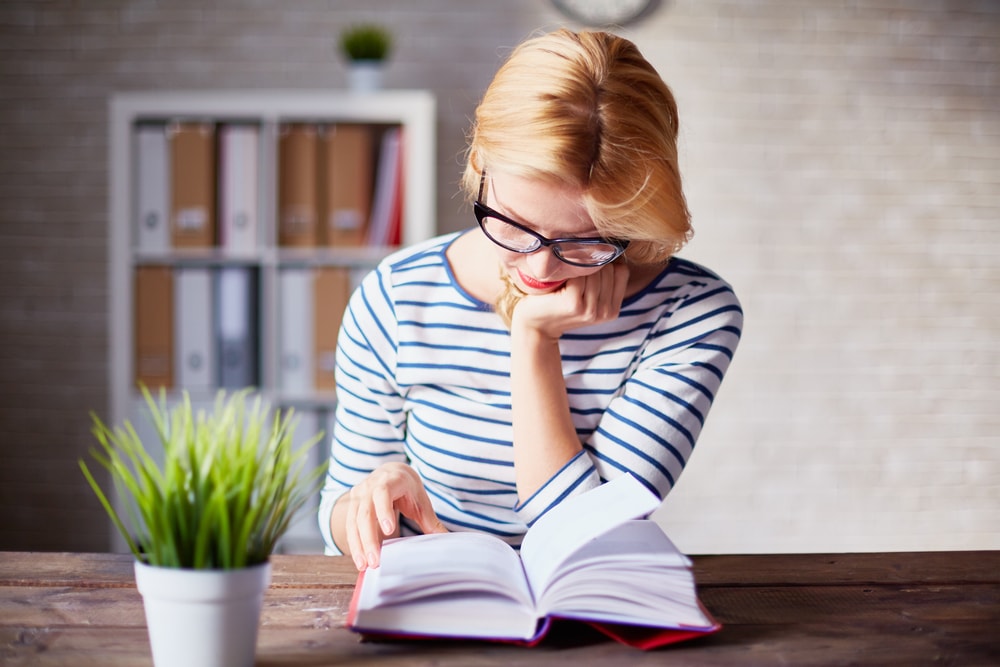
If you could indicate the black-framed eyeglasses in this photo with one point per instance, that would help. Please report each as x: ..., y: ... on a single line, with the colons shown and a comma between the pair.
x: 512, y: 235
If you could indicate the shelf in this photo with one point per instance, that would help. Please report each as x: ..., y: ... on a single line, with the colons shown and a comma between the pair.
x: 190, y: 284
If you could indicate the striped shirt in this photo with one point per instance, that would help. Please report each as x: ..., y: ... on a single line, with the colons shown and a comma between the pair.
x: 423, y: 376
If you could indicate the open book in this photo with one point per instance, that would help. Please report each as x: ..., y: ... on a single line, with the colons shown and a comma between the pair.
x: 592, y: 558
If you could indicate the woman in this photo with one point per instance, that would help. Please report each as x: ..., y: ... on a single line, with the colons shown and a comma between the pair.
x: 484, y: 376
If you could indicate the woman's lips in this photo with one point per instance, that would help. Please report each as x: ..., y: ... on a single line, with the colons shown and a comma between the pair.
x: 532, y: 283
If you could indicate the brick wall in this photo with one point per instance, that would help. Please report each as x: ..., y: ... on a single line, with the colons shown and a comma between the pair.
x: 843, y: 166
x: 59, y: 61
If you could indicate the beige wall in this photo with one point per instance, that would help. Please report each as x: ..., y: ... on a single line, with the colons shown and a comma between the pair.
x: 843, y: 166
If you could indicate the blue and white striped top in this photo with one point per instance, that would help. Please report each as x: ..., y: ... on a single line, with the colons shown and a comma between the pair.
x: 423, y: 377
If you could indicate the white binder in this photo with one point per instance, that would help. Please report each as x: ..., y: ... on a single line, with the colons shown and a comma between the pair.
x: 303, y: 534
x: 194, y: 359
x: 296, y: 364
x: 238, y: 194
x: 152, y: 226
x: 236, y: 327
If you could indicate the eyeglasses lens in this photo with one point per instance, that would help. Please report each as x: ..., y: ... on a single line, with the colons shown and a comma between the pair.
x: 509, y: 236
x: 518, y: 240
x: 587, y: 254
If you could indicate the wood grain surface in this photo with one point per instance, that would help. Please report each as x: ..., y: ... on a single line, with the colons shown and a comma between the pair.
x: 797, y: 609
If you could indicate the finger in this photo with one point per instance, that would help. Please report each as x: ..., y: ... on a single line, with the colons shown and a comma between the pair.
x: 608, y: 306
x: 423, y: 514
x: 622, y: 273
x: 611, y: 284
x: 598, y: 295
x: 385, y: 512
x: 369, y: 534
x: 619, y: 285
x: 353, y: 538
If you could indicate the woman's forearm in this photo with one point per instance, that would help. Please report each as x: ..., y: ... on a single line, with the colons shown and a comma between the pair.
x: 545, y: 438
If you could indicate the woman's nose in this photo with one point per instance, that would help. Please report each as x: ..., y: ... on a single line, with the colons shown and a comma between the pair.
x: 543, y: 264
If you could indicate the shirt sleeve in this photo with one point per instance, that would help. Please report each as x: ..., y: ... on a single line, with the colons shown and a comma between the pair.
x: 577, y: 476
x: 651, y: 426
x: 369, y: 423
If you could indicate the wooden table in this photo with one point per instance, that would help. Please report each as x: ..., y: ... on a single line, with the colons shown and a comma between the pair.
x: 858, y: 609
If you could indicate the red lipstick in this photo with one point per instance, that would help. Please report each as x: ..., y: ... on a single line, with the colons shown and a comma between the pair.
x: 532, y: 283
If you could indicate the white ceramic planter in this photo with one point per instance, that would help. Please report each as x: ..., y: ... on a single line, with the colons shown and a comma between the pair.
x: 202, y: 617
x: 365, y: 76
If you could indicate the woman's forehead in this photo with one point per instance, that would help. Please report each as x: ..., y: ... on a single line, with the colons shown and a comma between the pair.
x: 543, y: 205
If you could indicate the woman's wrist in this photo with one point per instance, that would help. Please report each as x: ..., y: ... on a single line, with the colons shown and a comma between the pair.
x: 525, y: 331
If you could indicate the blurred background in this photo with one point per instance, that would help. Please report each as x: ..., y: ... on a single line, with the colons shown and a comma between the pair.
x: 842, y: 163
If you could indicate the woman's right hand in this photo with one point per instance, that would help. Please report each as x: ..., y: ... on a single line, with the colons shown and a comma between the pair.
x: 583, y: 301
x: 370, y: 511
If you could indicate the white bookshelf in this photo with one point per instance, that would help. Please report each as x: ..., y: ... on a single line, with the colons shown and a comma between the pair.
x: 413, y: 111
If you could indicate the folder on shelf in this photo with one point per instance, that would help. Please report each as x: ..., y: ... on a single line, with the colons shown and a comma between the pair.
x: 331, y: 292
x: 236, y: 326
x: 192, y: 184
x: 346, y: 174
x: 387, y: 200
x: 303, y: 534
x: 152, y: 231
x: 154, y: 332
x: 395, y: 236
x: 193, y: 331
x: 297, y: 185
x: 238, y: 182
x: 295, y: 323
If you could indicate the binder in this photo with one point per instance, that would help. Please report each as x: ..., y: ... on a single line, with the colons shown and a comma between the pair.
x: 303, y: 535
x: 192, y: 180
x: 295, y: 313
x: 346, y: 175
x: 395, y: 236
x: 152, y: 231
x: 154, y: 344
x: 297, y: 185
x: 388, y: 188
x: 194, y: 361
x: 236, y: 327
x: 238, y: 183
x: 332, y: 290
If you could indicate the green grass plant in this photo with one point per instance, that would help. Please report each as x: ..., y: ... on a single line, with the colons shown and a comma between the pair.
x: 229, y: 484
x: 366, y: 41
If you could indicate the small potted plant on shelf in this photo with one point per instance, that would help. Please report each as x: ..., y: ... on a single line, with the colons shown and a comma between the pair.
x: 366, y: 47
x: 203, y: 523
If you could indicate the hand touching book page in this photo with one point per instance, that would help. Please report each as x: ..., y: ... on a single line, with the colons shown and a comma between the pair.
x: 592, y: 559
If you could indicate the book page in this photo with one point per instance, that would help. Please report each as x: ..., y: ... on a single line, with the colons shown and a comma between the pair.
x: 426, y: 565
x: 476, y: 615
x: 632, y: 574
x: 635, y: 541
x: 576, y: 521
x: 646, y: 596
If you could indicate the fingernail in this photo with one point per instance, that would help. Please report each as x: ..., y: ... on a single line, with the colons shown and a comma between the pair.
x: 372, y: 559
x: 359, y: 562
x: 387, y: 526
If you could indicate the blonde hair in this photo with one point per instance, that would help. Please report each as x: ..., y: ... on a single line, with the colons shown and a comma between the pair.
x: 586, y: 110
x: 509, y: 297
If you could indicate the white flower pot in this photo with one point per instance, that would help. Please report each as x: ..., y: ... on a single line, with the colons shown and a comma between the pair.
x: 365, y: 76
x: 202, y: 617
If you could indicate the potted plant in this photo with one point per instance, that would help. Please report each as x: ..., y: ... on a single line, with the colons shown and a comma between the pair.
x: 366, y: 47
x: 203, y: 523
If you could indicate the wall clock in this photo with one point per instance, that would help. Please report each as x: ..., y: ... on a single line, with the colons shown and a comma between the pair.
x: 605, y: 12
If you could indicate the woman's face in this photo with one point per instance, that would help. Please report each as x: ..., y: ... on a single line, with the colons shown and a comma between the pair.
x: 549, y: 209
